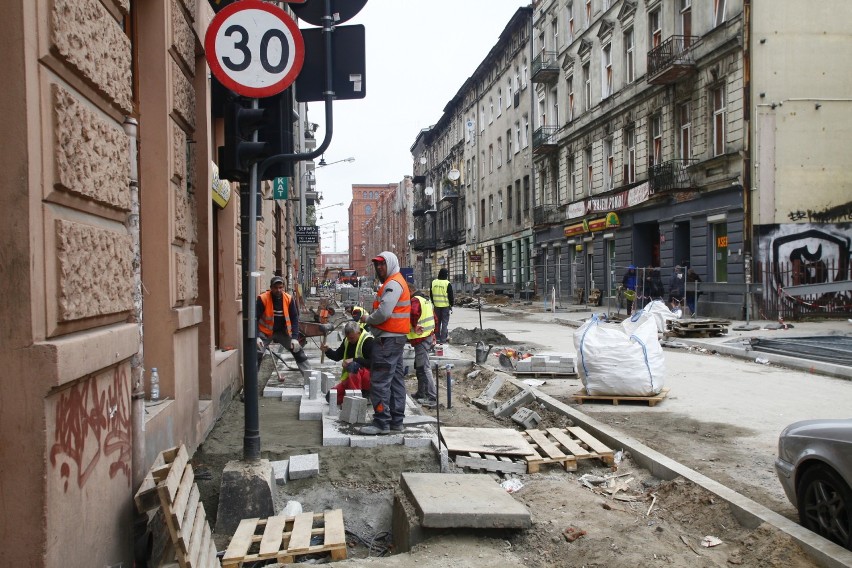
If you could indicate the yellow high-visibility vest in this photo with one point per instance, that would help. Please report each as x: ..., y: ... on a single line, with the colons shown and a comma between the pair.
x: 439, y: 293
x: 426, y: 321
x: 358, y: 350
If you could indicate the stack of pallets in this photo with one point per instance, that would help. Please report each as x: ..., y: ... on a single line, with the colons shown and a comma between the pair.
x: 699, y: 327
x: 565, y: 446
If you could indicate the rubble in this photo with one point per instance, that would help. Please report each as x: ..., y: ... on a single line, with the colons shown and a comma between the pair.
x: 462, y: 336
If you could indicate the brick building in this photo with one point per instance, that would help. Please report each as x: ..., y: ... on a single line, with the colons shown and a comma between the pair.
x: 365, y: 199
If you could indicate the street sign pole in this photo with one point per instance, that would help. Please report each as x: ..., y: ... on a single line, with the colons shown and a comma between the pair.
x: 251, y: 437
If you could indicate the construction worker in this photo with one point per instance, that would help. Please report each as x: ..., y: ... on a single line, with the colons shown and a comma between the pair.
x: 389, y: 323
x: 278, y: 321
x: 442, y: 298
x: 357, y: 314
x: 355, y: 352
x: 421, y: 337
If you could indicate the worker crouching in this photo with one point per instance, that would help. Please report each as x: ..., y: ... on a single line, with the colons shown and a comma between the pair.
x: 354, y: 352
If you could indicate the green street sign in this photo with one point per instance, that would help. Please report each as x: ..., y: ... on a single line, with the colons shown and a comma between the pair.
x: 279, y: 188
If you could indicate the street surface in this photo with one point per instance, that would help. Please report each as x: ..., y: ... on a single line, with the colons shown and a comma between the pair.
x: 723, y: 414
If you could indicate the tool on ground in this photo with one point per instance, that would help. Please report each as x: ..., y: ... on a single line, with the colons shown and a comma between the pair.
x: 482, y: 352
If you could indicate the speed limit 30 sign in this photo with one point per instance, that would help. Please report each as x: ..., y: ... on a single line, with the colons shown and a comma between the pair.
x: 255, y: 49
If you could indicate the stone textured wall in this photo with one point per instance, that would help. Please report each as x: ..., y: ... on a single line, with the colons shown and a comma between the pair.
x: 183, y: 96
x: 186, y: 266
x: 184, y: 38
x: 91, y: 41
x: 91, y: 157
x: 94, y: 267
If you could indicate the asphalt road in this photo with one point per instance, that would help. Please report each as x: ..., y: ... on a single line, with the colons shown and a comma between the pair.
x: 723, y: 413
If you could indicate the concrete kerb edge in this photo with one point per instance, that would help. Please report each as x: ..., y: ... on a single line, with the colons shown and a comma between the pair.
x: 747, y: 512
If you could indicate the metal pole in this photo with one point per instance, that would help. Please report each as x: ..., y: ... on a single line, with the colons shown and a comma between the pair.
x: 251, y: 439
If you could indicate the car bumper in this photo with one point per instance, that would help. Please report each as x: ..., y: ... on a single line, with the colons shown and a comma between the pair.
x: 785, y: 476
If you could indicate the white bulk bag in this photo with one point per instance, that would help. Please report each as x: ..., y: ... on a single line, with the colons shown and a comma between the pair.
x: 620, y: 360
x: 661, y: 313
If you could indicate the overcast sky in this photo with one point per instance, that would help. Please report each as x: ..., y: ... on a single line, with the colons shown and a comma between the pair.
x: 419, y: 52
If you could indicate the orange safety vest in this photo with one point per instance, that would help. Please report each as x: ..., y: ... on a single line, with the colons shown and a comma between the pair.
x: 266, y: 320
x: 398, y: 322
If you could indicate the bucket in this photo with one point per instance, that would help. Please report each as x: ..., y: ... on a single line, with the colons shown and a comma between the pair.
x: 439, y: 351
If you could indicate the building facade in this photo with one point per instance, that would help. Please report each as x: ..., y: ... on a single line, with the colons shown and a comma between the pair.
x: 122, y: 254
x: 389, y: 227
x: 365, y: 200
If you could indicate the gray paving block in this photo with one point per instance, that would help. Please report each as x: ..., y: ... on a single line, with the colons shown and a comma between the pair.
x: 364, y: 441
x: 507, y: 408
x: 493, y: 387
x: 331, y: 434
x: 333, y: 409
x: 328, y: 381
x: 292, y: 393
x: 311, y: 409
x: 304, y: 466
x: 354, y: 410
x: 486, y: 404
x: 279, y: 471
x: 314, y: 387
x: 390, y: 439
x: 527, y: 418
x: 417, y: 442
x: 272, y: 392
x: 523, y: 366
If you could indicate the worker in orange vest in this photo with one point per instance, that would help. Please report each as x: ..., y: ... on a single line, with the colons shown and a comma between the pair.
x: 278, y: 321
x: 389, y: 324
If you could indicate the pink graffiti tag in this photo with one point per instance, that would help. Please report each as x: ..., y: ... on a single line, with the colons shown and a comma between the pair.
x: 83, y: 413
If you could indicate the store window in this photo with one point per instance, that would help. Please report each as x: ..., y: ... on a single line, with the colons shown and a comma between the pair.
x: 720, y: 251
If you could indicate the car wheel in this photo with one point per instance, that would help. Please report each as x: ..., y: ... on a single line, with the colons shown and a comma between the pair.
x: 825, y: 504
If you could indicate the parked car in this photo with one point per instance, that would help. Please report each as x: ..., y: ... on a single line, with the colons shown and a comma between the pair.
x: 814, y: 466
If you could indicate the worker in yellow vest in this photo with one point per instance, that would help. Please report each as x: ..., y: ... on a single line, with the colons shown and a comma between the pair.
x: 422, y: 337
x: 442, y: 299
x: 355, y: 353
x: 389, y: 324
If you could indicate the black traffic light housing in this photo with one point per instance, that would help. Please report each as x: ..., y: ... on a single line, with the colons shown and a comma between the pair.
x: 273, y: 123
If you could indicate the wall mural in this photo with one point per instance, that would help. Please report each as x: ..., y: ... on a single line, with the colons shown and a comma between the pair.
x: 91, y: 424
x: 806, y: 253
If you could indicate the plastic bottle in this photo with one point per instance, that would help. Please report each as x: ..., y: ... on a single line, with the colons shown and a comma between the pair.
x: 155, y: 385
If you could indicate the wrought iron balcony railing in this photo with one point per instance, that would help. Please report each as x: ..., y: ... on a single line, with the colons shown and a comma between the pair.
x: 670, y: 175
x: 545, y: 67
x: 547, y: 214
x: 671, y: 60
x: 545, y: 140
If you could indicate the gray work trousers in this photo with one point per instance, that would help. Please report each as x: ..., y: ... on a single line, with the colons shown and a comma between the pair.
x: 387, y: 378
x: 423, y: 370
x: 443, y: 323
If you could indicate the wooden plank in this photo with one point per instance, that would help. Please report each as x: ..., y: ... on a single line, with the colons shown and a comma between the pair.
x: 146, y: 497
x: 204, y: 554
x: 199, y: 551
x: 300, y: 537
x: 179, y: 506
x: 595, y: 444
x: 334, y: 531
x: 506, y: 441
x: 549, y: 448
x: 240, y: 542
x: 569, y: 443
x: 192, y: 503
x: 172, y: 481
x: 490, y: 464
x: 193, y: 543
x: 581, y: 396
x: 273, y: 535
x: 212, y: 555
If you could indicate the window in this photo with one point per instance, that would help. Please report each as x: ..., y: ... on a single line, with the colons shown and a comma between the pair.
x: 517, y: 136
x: 587, y: 88
x: 500, y: 205
x: 365, y: 195
x: 569, y: 13
x: 481, y: 119
x: 526, y: 132
x: 718, y: 12
x: 606, y: 71
x: 588, y: 180
x: 490, y: 208
x: 524, y: 75
x: 499, y: 102
x: 572, y: 180
x: 482, y: 165
x: 490, y: 110
x: 554, y: 106
x: 685, y: 22
x: 368, y: 210
x: 719, y: 121
x: 656, y: 156
x: 629, y: 156
x: 609, y: 165
x: 542, y: 45
x: 482, y: 213
x: 588, y: 13
x: 508, y: 202
x: 518, y: 200
x: 526, y: 193
x: 499, y: 152
x: 607, y: 4
x: 570, y: 82
x: 508, y: 145
x: 509, y: 92
x: 517, y: 78
x: 554, y: 31
x: 655, y: 28
x: 542, y: 111
x: 629, y: 57
x: 685, y: 133
x: 490, y: 158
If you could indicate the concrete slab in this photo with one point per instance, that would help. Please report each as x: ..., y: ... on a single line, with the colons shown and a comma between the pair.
x: 418, y: 419
x: 304, y: 466
x: 463, y: 501
x: 331, y: 434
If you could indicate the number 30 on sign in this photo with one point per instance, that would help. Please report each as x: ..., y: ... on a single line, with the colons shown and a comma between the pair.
x: 255, y: 49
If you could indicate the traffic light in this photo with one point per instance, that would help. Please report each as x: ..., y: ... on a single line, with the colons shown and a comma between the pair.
x: 273, y: 123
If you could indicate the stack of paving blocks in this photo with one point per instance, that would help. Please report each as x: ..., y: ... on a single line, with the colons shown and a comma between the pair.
x: 551, y: 364
x: 297, y: 467
x: 354, y: 409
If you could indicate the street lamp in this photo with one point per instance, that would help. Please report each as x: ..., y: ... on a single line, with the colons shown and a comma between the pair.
x: 327, y: 206
x: 322, y: 163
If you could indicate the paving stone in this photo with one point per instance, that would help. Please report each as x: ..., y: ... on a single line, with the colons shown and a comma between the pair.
x: 272, y: 392
x: 390, y: 439
x: 418, y: 419
x: 314, y: 387
x: 333, y: 409
x: 311, y: 409
x: 279, y: 471
x: 527, y: 418
x: 354, y: 410
x: 364, y: 441
x: 304, y: 466
x: 523, y: 366
x: 493, y: 387
x: 417, y: 442
x: 507, y: 408
x: 331, y: 434
x: 292, y: 394
x: 486, y: 404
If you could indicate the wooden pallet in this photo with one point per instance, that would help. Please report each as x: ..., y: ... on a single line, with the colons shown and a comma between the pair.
x: 284, y: 539
x: 580, y: 396
x: 699, y: 327
x: 491, y: 462
x: 565, y: 446
x: 172, y: 480
x: 544, y: 375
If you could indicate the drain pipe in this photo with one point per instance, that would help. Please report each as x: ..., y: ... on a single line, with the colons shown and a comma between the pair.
x: 137, y: 369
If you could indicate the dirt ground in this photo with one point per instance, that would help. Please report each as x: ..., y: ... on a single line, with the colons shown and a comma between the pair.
x: 648, y: 522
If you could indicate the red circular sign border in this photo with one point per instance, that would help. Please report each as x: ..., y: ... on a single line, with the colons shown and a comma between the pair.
x: 224, y: 78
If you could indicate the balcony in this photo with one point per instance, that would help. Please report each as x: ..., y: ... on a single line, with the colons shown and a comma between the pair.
x: 671, y: 60
x: 548, y: 214
x: 545, y: 67
x: 452, y: 238
x: 311, y: 197
x: 421, y: 206
x: 670, y: 175
x: 427, y: 243
x: 545, y: 140
x: 449, y: 193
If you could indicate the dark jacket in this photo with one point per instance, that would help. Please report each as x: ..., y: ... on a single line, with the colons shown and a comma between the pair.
x: 366, y: 350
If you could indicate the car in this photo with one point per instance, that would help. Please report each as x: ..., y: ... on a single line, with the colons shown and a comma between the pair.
x: 814, y: 466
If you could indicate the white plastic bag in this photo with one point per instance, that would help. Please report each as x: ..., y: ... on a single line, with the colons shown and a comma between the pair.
x: 620, y: 360
x: 661, y: 313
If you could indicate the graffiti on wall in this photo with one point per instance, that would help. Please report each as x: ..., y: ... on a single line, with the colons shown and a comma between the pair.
x: 800, y: 254
x: 93, y: 424
x: 837, y: 214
